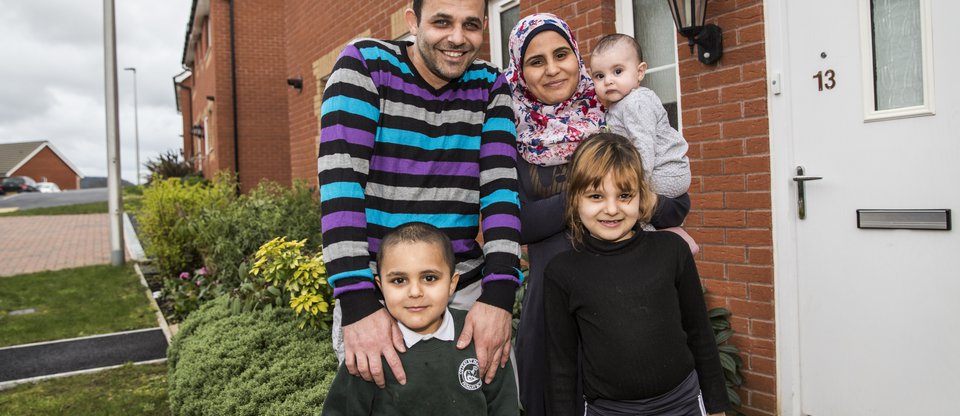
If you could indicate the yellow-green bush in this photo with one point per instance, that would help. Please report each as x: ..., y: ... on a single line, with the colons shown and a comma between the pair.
x: 164, y: 218
x: 281, y: 273
x: 227, y: 235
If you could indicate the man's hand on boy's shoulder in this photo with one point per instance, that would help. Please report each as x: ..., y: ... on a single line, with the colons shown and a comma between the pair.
x: 366, y: 340
x: 489, y: 327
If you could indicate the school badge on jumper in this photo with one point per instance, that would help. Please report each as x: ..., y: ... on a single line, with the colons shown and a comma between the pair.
x: 470, y: 374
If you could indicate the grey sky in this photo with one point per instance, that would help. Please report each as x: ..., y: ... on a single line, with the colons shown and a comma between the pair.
x: 52, y: 77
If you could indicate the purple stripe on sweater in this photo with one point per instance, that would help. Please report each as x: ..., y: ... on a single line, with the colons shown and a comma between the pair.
x: 498, y: 82
x: 352, y: 288
x: 463, y: 246
x: 501, y: 220
x: 498, y: 149
x: 406, y: 166
x: 496, y: 277
x: 351, y: 135
x: 373, y: 244
x: 390, y: 80
x: 353, y: 52
x: 342, y: 219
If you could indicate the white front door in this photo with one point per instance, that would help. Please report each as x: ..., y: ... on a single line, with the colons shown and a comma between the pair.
x: 868, y: 319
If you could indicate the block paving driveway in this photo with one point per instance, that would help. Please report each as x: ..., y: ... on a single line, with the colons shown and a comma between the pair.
x: 37, y: 243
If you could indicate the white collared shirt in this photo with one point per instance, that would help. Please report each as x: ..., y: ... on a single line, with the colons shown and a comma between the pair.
x: 444, y: 333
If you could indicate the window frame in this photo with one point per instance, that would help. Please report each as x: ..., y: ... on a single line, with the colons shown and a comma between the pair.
x: 870, y: 113
x: 494, y: 9
x: 206, y: 135
x: 624, y: 25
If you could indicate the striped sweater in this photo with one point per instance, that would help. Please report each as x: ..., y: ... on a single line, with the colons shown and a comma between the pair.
x: 394, y: 150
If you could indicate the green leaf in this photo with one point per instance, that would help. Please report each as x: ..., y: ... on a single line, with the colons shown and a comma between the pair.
x: 715, y: 312
x: 728, y: 363
x: 733, y: 396
x: 720, y: 324
x: 729, y: 349
x: 723, y: 336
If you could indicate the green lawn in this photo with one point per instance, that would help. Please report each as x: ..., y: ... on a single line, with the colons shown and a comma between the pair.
x: 128, y: 390
x: 72, y: 303
x: 91, y: 208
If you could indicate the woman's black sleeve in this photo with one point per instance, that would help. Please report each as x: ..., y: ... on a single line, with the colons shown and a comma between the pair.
x: 670, y: 212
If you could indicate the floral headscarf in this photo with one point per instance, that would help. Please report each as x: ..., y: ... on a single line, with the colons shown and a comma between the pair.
x: 547, y: 135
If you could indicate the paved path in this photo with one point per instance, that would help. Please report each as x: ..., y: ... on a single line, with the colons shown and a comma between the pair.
x: 58, y: 357
x: 38, y: 243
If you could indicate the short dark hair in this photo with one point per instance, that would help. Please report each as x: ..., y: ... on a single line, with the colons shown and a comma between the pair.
x: 415, y: 232
x: 610, y: 40
x: 418, y: 7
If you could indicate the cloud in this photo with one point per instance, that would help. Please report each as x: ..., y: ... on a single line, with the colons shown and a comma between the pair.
x: 52, y: 81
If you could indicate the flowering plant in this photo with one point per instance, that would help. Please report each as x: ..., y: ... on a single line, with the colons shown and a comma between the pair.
x: 189, y: 290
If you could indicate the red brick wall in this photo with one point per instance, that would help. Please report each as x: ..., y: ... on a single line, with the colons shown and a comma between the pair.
x: 725, y: 123
x: 264, y: 140
x: 261, y: 93
x: 46, y: 164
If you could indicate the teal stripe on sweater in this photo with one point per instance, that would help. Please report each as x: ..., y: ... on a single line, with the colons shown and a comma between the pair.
x: 422, y: 141
x: 350, y: 105
x: 389, y: 220
x: 336, y: 190
x: 374, y: 53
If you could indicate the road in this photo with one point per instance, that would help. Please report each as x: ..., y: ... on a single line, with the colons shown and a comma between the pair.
x: 30, y: 200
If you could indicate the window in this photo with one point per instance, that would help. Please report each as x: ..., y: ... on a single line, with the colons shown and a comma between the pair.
x: 650, y: 22
x: 206, y: 135
x: 897, y: 61
x: 504, y: 15
x: 207, y: 31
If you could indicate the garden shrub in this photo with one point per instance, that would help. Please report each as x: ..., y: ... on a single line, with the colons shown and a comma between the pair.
x: 172, y: 164
x: 164, y: 219
x: 227, y: 235
x: 248, y: 363
x: 282, y: 274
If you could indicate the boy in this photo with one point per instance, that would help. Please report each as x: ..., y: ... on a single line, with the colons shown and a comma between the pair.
x: 617, y: 67
x: 415, y: 272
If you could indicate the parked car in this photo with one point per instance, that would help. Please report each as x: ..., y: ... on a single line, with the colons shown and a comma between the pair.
x: 46, y: 187
x: 19, y: 184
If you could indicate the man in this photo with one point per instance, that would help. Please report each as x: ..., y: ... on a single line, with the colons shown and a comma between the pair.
x: 420, y: 132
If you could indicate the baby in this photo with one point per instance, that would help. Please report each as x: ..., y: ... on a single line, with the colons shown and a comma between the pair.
x: 617, y: 67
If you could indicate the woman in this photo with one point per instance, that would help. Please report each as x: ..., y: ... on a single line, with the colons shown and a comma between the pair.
x: 556, y: 108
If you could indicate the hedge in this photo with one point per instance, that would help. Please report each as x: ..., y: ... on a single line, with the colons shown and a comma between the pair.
x: 227, y: 362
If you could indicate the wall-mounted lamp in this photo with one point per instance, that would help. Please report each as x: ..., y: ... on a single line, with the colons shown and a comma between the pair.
x: 296, y: 83
x: 211, y: 98
x: 196, y: 130
x: 689, y: 16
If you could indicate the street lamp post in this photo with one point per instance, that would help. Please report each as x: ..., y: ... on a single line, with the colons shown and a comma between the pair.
x: 136, y: 121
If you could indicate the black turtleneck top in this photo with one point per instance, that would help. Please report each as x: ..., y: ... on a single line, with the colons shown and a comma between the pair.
x: 636, y: 307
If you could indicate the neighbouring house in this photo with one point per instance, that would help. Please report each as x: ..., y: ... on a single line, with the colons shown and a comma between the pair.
x: 40, y: 161
x: 823, y: 159
x: 233, y: 98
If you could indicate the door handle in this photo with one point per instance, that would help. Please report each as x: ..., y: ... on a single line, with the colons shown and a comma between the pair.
x: 800, y: 179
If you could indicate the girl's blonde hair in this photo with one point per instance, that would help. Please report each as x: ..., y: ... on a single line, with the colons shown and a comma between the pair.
x: 598, y: 155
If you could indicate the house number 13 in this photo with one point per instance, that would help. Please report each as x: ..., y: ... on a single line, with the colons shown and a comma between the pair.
x: 825, y: 79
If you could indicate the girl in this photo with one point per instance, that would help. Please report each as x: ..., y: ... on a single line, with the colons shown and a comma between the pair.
x: 630, y: 299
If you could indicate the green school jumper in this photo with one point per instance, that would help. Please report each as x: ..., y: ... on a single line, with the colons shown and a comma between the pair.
x: 441, y: 380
